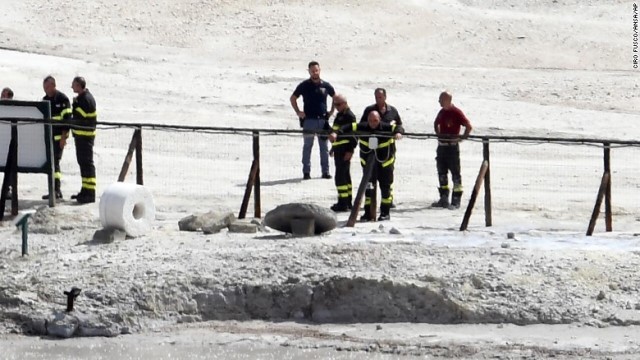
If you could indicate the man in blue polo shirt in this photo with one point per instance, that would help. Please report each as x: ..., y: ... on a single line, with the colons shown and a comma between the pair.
x: 315, y: 117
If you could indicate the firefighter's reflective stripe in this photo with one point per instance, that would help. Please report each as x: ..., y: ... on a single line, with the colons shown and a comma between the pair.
x: 387, y: 201
x: 57, y: 137
x: 385, y: 144
x: 340, y: 142
x: 389, y: 162
x: 62, y: 114
x: 457, y: 188
x: 86, y: 115
x: 382, y: 145
x: 89, y: 183
x: 57, y: 175
x: 84, y: 132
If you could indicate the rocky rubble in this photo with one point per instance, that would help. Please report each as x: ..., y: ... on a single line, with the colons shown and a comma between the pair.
x: 184, y: 277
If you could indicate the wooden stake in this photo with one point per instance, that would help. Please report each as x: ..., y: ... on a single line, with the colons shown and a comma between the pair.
x: 488, y: 220
x: 472, y: 201
x: 247, y: 192
x: 366, y: 176
x: 127, y: 159
x: 604, y: 183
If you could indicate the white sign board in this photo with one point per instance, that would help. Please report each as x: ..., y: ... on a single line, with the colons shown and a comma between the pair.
x: 34, y: 139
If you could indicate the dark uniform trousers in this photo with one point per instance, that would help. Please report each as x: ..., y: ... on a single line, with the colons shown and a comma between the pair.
x: 383, y: 174
x: 57, y: 156
x: 84, y: 155
x: 343, y: 177
x: 448, y: 159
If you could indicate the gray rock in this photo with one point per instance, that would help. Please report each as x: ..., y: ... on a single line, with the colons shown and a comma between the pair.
x: 395, y: 231
x: 38, y: 326
x: 107, y: 236
x: 190, y: 223
x: 213, y: 222
x: 93, y: 325
x: 63, y: 325
x: 103, y: 330
x: 243, y: 227
x: 280, y: 218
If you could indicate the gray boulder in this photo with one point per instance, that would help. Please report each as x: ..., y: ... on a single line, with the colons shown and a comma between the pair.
x: 287, y: 216
x: 213, y: 222
x: 190, y: 223
x: 243, y: 227
x: 108, y: 235
x: 63, y: 325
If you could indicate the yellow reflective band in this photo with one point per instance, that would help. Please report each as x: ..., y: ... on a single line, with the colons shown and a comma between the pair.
x: 386, y: 143
x: 66, y: 111
x: 350, y: 186
x: 336, y: 127
x: 343, y: 195
x: 57, y: 137
x: 354, y: 126
x: 365, y: 143
x: 367, y: 201
x: 86, y: 115
x: 386, y: 200
x: 57, y: 175
x: 90, y: 187
x: 342, y: 187
x: 84, y: 132
x: 446, y: 187
x: 389, y: 162
x: 341, y: 142
x: 89, y: 181
x: 59, y: 117
x: 457, y: 188
x: 363, y: 161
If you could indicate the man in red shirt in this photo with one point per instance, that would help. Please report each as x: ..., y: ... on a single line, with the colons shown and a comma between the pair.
x: 447, y: 127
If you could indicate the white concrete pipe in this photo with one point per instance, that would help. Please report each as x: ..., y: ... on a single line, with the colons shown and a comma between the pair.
x: 127, y: 207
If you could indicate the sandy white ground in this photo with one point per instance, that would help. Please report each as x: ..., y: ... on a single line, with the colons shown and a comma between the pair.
x: 543, y: 68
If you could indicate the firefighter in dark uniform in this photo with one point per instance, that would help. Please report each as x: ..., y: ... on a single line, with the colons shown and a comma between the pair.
x: 384, y: 158
x: 342, y: 151
x: 84, y: 121
x: 60, y: 115
x: 447, y: 126
x: 388, y: 114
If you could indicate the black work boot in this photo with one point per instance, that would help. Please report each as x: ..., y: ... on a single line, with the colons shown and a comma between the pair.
x: 444, y: 199
x: 366, y: 217
x: 341, y: 206
x: 384, y: 212
x: 86, y: 196
x: 57, y: 192
x: 456, y: 197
